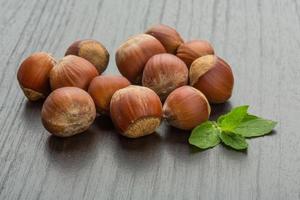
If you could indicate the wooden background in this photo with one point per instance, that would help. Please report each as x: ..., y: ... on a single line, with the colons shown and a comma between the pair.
x: 259, y: 38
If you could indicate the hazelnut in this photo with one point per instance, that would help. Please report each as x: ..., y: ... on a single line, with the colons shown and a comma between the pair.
x: 168, y: 36
x: 132, y: 55
x: 136, y: 111
x: 91, y: 50
x: 163, y: 73
x: 185, y: 108
x: 190, y: 51
x: 33, y: 75
x: 102, y: 89
x: 68, y: 111
x: 72, y: 71
x: 213, y: 77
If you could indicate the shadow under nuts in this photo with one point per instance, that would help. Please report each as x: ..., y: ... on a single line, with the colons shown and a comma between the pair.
x: 102, y: 89
x: 190, y: 51
x: 133, y: 54
x: 33, y: 75
x: 136, y: 111
x: 213, y: 77
x: 168, y: 36
x: 163, y: 73
x: 186, y: 108
x: 91, y: 50
x: 72, y: 71
x: 68, y: 111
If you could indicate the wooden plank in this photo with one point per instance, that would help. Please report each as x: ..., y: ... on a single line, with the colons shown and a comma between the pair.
x: 259, y: 38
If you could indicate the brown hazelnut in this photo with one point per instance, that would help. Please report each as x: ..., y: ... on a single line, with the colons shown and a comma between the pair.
x: 163, y: 73
x: 72, y: 71
x: 68, y: 111
x: 33, y: 75
x: 136, y: 111
x: 102, y: 89
x: 132, y: 55
x: 190, y: 51
x: 185, y: 108
x: 168, y: 36
x: 91, y: 50
x: 213, y: 77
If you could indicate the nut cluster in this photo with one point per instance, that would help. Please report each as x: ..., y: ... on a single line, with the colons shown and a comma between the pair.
x: 163, y: 77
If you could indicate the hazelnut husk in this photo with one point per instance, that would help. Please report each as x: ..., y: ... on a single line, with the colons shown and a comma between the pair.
x: 136, y: 111
x: 91, y: 50
x: 213, y: 77
x: 68, y: 111
x: 133, y: 54
x: 102, y: 89
x: 185, y: 108
x: 191, y: 50
x: 163, y: 73
x: 33, y: 75
x: 168, y: 36
x: 72, y: 71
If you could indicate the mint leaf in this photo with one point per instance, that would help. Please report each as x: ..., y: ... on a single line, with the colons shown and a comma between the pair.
x: 205, y: 135
x: 231, y: 120
x: 253, y: 126
x: 233, y: 140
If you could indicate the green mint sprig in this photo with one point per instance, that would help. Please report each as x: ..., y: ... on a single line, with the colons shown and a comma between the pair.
x: 231, y: 129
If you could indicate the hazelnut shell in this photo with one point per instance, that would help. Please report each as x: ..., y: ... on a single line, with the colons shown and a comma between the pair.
x: 213, y: 77
x: 72, y: 71
x: 133, y: 54
x: 91, y: 50
x: 33, y: 75
x: 136, y: 111
x: 102, y: 89
x: 185, y: 108
x: 168, y: 36
x: 191, y: 50
x: 163, y: 73
x: 68, y: 111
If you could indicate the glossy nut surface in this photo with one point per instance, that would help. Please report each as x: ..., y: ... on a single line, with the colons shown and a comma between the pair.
x: 72, y: 71
x: 133, y: 54
x: 102, y: 89
x: 168, y: 36
x: 186, y: 108
x: 191, y: 50
x: 163, y: 73
x: 213, y: 77
x: 91, y: 50
x: 33, y: 75
x: 68, y: 111
x: 136, y: 111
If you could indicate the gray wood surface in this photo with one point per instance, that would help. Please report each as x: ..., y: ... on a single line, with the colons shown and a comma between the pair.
x: 259, y: 38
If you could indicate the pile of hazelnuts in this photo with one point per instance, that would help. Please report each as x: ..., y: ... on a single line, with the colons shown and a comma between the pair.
x: 163, y: 78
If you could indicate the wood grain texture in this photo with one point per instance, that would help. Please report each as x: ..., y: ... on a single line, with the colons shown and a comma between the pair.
x: 259, y: 38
